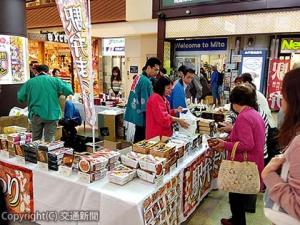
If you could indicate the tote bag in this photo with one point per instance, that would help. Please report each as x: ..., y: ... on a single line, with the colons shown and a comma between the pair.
x: 239, y: 177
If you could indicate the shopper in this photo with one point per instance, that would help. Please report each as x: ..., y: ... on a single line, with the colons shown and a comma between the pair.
x: 116, y: 81
x: 159, y: 116
x: 249, y: 131
x: 194, y: 89
x: 55, y: 72
x: 287, y: 193
x: 178, y: 95
x: 140, y: 92
x: 215, y: 86
x: 264, y: 106
x: 202, y: 71
x: 42, y: 93
x: 32, y: 67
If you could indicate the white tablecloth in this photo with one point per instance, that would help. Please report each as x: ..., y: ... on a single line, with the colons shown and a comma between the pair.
x: 118, y: 205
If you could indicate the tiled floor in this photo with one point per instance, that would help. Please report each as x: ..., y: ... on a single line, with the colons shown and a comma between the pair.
x: 215, y: 206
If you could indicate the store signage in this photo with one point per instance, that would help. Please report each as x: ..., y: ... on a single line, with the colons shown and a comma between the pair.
x: 17, y: 187
x: 278, y: 68
x: 13, y: 65
x: 76, y: 22
x: 134, y: 69
x: 57, y: 37
x: 290, y: 45
x: 215, y: 44
x: 253, y: 62
x: 114, y: 47
x: 236, y: 58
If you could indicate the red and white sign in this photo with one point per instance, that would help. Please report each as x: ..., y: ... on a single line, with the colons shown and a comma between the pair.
x: 278, y: 68
x: 76, y: 20
x: 17, y: 186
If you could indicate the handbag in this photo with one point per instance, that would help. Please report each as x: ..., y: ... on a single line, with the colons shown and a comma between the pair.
x: 239, y: 177
x: 273, y: 211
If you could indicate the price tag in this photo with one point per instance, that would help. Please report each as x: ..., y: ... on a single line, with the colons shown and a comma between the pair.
x: 20, y: 159
x: 43, y: 166
x: 65, y: 171
x: 84, y: 177
x: 4, y: 154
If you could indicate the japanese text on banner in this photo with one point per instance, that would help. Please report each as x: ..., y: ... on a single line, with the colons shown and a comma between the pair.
x: 76, y: 22
x: 278, y: 68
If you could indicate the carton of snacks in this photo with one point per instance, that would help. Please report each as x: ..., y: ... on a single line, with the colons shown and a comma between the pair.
x: 153, y: 164
x: 19, y: 137
x: 77, y: 158
x: 51, y: 146
x: 58, y: 154
x: 91, y: 165
x: 112, y: 156
x: 132, y: 159
x: 19, y: 151
x: 42, y: 156
x: 163, y: 150
x: 92, y: 177
x: 121, y: 175
x: 143, y: 146
x: 149, y: 176
x: 3, y: 142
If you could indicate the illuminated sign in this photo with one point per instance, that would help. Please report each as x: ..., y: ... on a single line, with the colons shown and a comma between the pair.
x: 290, y: 45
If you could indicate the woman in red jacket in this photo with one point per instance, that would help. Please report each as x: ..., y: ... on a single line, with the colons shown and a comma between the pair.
x: 159, y: 116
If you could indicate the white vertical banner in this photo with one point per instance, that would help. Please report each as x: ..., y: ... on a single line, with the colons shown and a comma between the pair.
x: 76, y: 20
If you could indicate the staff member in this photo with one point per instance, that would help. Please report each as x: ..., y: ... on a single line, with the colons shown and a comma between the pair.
x: 140, y: 92
x: 178, y: 95
x: 159, y: 116
x: 41, y: 93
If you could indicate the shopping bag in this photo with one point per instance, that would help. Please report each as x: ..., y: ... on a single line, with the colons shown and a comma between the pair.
x: 239, y: 177
x: 191, y: 120
x: 273, y: 211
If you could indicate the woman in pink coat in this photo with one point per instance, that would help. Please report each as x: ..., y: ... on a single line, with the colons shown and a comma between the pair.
x: 159, y: 116
x: 249, y: 131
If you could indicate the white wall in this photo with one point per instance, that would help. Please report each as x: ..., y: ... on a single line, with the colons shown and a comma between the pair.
x: 138, y: 10
x: 137, y: 49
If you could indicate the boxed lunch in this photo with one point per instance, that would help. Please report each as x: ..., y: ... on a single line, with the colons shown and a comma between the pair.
x: 91, y: 165
x: 3, y: 142
x: 121, y: 175
x: 163, y: 150
x: 19, y: 137
x: 112, y: 156
x: 51, y: 146
x: 143, y: 146
x: 58, y: 154
x: 92, y: 177
x: 132, y: 159
x: 149, y: 176
x: 153, y: 164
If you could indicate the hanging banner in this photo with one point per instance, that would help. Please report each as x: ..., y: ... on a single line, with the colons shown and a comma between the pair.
x: 76, y: 21
x: 18, y: 188
x: 278, y: 68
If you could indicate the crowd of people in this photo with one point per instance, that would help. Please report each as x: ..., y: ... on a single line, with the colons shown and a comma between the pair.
x: 154, y: 110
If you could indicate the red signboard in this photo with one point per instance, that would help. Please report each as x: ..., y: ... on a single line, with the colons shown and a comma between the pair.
x: 278, y: 68
x: 18, y: 188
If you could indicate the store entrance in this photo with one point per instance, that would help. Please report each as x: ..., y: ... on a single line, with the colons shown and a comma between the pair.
x: 202, y: 61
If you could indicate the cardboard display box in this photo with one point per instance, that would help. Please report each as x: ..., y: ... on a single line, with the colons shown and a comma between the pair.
x: 6, y: 121
x: 111, y: 127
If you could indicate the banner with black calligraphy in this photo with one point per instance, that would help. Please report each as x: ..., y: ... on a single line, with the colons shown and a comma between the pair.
x: 76, y: 21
